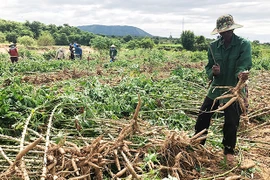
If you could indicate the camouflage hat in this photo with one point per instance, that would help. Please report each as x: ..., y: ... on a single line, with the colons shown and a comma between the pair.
x: 225, y: 23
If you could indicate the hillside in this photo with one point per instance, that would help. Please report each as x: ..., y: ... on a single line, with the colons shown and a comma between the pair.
x: 115, y: 30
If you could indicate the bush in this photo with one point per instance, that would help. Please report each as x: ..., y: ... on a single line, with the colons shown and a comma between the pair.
x: 25, y: 53
x: 2, y: 37
x: 49, y: 54
x: 27, y: 41
x: 46, y: 39
x: 147, y: 43
x: 198, y: 56
x: 132, y: 44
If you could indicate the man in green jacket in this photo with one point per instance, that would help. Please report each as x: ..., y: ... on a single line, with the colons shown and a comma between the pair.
x: 113, y: 53
x: 229, y: 57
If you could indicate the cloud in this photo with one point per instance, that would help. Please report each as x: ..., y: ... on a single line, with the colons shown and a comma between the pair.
x: 157, y: 17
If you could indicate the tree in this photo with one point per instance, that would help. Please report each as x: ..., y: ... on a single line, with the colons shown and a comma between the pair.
x: 8, y: 26
x: 66, y: 30
x: 100, y: 42
x: 85, y: 37
x: 26, y: 32
x: 52, y: 28
x: 74, y: 38
x: 156, y: 40
x: 200, y: 43
x: 61, y: 39
x: 256, y: 42
x: 12, y: 37
x: 188, y: 40
x: 36, y: 27
x: 200, y: 39
x: 46, y: 39
x: 127, y: 38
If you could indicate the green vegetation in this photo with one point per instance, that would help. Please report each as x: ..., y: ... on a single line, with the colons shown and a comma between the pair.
x: 61, y: 35
x: 88, y: 99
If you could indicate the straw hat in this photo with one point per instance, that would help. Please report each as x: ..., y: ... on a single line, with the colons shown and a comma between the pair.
x: 225, y: 23
x: 12, y: 45
x: 113, y: 45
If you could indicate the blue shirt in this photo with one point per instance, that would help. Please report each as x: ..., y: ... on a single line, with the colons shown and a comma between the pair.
x: 78, y: 50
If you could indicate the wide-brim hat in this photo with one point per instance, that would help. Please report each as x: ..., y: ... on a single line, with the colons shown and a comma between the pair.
x: 225, y: 23
x: 12, y: 45
x: 113, y: 45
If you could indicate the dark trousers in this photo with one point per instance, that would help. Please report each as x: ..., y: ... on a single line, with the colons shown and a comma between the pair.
x: 231, y: 123
x: 112, y: 58
x: 14, y: 59
x: 72, y: 55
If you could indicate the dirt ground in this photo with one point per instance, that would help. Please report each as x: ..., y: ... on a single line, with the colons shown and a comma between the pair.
x: 255, y: 136
x: 259, y: 152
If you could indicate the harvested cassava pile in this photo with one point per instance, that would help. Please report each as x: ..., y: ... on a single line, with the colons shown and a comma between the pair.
x: 116, y: 155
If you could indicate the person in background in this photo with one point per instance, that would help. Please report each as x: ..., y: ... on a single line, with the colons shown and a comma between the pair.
x: 78, y: 51
x: 71, y: 50
x: 229, y: 59
x: 113, y: 53
x: 13, y: 52
x: 60, y: 54
x: 75, y: 44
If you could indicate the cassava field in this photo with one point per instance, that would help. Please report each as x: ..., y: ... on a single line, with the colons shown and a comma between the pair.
x: 131, y: 119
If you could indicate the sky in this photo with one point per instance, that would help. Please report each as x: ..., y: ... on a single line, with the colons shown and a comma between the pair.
x: 157, y: 17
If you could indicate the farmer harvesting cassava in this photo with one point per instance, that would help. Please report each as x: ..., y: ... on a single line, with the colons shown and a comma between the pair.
x: 60, y: 54
x: 78, y: 51
x: 13, y: 52
x: 113, y: 53
x: 229, y: 59
x: 71, y: 49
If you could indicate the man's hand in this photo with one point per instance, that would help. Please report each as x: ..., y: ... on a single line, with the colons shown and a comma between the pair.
x: 216, y: 69
x: 243, y: 75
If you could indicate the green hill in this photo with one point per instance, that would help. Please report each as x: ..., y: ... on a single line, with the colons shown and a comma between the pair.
x: 115, y: 30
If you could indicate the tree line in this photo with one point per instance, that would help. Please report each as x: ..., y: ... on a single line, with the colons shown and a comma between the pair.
x: 11, y: 31
x: 37, y: 33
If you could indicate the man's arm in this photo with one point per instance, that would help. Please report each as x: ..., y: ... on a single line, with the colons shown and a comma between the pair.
x: 244, y: 63
x: 209, y: 66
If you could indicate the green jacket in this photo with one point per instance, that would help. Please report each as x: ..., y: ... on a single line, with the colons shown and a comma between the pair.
x: 113, y: 52
x: 233, y: 60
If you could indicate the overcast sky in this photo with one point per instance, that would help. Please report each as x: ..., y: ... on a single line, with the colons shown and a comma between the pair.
x: 157, y: 17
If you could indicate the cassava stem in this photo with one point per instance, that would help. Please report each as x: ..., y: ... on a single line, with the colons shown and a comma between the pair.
x: 44, y: 169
